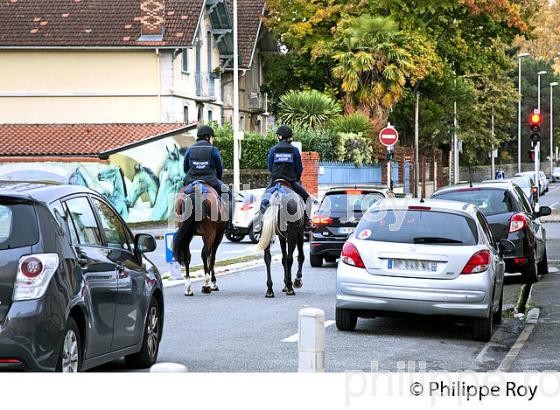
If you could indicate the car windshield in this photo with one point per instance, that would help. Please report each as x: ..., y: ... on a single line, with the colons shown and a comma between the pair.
x: 522, y: 182
x: 488, y: 200
x: 418, y: 227
x: 15, y: 215
x: 350, y: 201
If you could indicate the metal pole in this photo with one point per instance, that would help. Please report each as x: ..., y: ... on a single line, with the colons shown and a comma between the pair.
x: 236, y: 177
x: 519, y: 121
x: 552, y: 85
x: 539, y: 92
x: 455, y: 140
x: 492, y: 152
x: 416, y: 155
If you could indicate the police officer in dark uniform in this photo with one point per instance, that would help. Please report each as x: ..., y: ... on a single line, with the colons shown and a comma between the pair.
x: 204, y: 162
x: 284, y: 162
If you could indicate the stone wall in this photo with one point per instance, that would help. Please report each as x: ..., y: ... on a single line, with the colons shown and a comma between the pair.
x: 482, y: 172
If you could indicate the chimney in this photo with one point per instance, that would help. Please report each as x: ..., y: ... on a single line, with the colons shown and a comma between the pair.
x: 152, y: 18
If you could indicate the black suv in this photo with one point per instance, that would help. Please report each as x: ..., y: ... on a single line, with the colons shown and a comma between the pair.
x: 337, y: 217
x: 511, y: 217
x: 75, y: 288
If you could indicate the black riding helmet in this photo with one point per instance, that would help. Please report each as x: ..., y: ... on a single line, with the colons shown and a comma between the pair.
x: 204, y: 132
x: 284, y: 132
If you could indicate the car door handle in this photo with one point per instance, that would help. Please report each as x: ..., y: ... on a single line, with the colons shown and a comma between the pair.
x: 83, y: 262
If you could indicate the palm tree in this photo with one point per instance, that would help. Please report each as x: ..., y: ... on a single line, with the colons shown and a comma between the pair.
x: 307, y: 109
x: 374, y: 67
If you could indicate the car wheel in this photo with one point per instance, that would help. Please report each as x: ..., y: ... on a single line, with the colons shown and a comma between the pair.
x: 235, y: 237
x: 497, y: 316
x: 543, y: 265
x: 346, y: 320
x: 531, y: 272
x: 254, y: 236
x: 147, y: 355
x: 315, y: 261
x: 70, y: 357
x: 483, y: 327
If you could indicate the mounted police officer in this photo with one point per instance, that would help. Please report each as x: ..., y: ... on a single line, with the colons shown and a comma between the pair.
x: 203, y: 162
x: 284, y: 162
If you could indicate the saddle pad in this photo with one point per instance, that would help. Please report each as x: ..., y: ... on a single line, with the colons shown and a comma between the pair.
x: 192, y: 187
x: 268, y: 194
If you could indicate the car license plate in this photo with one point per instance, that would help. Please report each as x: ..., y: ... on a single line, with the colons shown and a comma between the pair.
x: 412, y: 265
x: 347, y: 230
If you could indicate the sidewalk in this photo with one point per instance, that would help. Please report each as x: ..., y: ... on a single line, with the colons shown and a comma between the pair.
x: 541, y: 351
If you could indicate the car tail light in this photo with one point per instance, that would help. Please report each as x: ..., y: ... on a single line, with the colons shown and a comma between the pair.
x: 247, y: 207
x: 354, y: 192
x: 10, y: 361
x: 33, y: 275
x: 517, y: 222
x: 419, y: 208
x: 478, y: 263
x: 351, y: 256
x: 322, y: 220
x: 519, y: 261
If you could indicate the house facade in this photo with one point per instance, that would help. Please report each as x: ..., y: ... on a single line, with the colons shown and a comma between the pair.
x: 129, y: 61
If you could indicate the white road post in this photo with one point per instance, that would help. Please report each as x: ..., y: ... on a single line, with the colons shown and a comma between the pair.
x: 311, y: 341
x: 168, y: 368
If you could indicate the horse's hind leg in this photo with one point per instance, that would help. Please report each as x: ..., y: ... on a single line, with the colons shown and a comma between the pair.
x: 267, y: 261
x: 298, y: 283
x: 214, y: 252
x: 188, y: 284
x: 204, y: 255
x: 288, y: 266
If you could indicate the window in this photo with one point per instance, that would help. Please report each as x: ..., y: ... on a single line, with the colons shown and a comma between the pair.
x: 86, y: 231
x: 185, y: 61
x: 115, y: 232
x: 200, y: 115
x: 486, y: 228
x: 15, y: 215
x: 209, y: 115
x: 489, y: 201
x: 186, y: 114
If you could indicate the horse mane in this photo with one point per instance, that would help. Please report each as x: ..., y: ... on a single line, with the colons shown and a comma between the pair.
x: 150, y: 173
x: 122, y: 181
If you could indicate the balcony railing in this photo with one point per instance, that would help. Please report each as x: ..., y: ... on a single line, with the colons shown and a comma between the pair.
x: 205, y: 85
x: 257, y: 100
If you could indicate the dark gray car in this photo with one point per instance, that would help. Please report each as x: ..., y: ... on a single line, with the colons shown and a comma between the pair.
x: 76, y: 290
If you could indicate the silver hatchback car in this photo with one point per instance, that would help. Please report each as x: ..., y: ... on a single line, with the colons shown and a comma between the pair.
x: 428, y: 257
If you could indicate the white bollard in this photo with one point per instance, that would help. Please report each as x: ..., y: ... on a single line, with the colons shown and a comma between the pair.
x: 311, y: 342
x: 168, y: 368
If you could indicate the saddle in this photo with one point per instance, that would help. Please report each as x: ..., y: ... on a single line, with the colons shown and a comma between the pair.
x: 280, y: 185
x: 200, y: 187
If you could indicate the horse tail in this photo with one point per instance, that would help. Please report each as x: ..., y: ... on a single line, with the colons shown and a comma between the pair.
x: 184, y: 235
x: 269, y: 224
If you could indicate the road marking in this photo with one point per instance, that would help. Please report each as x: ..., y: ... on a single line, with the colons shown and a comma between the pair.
x: 553, y: 206
x: 553, y: 270
x: 295, y: 338
x: 555, y: 189
x: 532, y: 318
x: 498, y: 335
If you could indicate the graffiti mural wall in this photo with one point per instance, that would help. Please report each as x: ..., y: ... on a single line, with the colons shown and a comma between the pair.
x: 137, y: 181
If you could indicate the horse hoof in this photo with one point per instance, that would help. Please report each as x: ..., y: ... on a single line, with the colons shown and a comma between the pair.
x: 269, y: 295
x: 189, y: 294
x: 215, y: 289
x: 290, y: 292
x: 285, y: 289
x: 298, y: 283
x: 206, y: 289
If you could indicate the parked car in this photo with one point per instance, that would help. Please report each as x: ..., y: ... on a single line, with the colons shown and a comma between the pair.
x: 543, y: 181
x: 246, y: 206
x: 337, y: 216
x: 427, y: 257
x: 76, y: 289
x: 511, y: 217
x: 556, y: 174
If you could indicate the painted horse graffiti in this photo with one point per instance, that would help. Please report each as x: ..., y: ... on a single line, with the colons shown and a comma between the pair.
x: 203, y: 214
x: 170, y: 182
x: 117, y: 196
x: 144, y: 181
x: 283, y: 217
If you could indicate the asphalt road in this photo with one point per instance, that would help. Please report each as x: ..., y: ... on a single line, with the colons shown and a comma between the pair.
x: 238, y: 330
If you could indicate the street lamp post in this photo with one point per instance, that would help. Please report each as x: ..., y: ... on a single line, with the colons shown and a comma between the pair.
x: 552, y: 85
x: 538, y: 144
x: 539, y: 89
x: 519, y: 57
x: 236, y: 171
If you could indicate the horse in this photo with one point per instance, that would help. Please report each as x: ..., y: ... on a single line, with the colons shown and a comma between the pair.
x: 118, y: 196
x: 206, y: 217
x: 284, y: 217
x: 171, y: 178
x: 144, y: 180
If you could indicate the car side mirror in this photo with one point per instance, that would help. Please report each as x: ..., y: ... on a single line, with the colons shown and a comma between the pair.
x: 543, y: 211
x: 144, y: 243
x: 505, y: 246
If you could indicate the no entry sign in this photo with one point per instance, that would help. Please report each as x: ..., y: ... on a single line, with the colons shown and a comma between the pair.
x: 388, y: 136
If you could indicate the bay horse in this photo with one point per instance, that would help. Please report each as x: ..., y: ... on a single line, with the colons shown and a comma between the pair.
x: 205, y: 217
x: 283, y: 217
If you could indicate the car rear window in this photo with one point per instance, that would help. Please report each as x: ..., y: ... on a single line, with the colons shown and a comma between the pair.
x: 418, y: 227
x: 522, y: 182
x: 18, y: 225
x: 489, y: 201
x: 350, y: 201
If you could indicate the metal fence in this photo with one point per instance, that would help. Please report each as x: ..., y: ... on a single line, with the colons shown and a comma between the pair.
x: 335, y: 173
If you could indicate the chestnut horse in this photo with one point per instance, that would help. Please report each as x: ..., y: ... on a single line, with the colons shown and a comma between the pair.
x: 205, y: 216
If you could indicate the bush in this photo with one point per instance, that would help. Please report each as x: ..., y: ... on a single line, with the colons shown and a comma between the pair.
x: 307, y: 109
x: 254, y: 148
x: 355, y: 123
x: 354, y: 148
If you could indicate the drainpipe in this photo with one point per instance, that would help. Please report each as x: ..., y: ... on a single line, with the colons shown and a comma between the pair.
x: 158, y: 71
